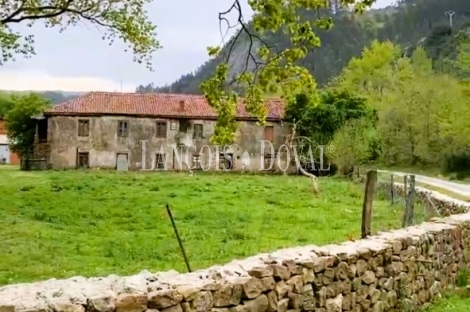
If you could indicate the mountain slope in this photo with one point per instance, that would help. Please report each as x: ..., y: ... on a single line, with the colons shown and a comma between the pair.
x: 55, y: 97
x: 411, y: 21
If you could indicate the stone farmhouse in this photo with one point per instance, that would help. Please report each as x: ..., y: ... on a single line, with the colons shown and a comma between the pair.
x: 107, y: 130
x: 5, y: 152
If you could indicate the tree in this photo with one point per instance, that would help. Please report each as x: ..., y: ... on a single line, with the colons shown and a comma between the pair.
x: 420, y: 111
x: 440, y: 43
x: 463, y: 57
x: 123, y: 19
x: 456, y: 157
x: 353, y: 145
x: 20, y: 126
x: 319, y: 122
x: 274, y: 69
x: 404, y: 26
x: 5, y: 104
x: 316, y: 125
x: 371, y: 75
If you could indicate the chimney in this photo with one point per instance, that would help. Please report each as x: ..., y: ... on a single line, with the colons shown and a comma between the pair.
x: 181, y: 106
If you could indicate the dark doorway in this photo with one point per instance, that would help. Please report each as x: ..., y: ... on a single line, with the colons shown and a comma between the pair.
x: 83, y: 160
x: 42, y: 130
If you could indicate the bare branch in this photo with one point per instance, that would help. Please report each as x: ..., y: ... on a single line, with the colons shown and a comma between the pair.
x: 252, y: 38
x: 24, y: 13
x: 291, y: 138
x: 121, y: 19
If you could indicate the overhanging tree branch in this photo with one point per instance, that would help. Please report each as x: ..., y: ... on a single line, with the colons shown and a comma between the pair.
x: 274, y: 71
x: 251, y: 37
x: 123, y: 19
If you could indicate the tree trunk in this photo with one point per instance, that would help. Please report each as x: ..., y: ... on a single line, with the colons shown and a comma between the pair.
x: 289, y: 141
x: 315, y: 188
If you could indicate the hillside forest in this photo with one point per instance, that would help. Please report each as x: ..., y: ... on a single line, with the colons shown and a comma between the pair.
x: 407, y: 24
x: 394, y: 109
x: 393, y: 86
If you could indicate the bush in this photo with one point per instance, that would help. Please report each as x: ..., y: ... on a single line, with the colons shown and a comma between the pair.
x: 461, y: 175
x: 458, y: 162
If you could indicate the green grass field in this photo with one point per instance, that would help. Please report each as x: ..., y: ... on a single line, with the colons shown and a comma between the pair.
x: 93, y: 223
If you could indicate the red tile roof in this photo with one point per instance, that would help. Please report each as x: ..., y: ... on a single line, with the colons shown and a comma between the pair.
x: 152, y: 104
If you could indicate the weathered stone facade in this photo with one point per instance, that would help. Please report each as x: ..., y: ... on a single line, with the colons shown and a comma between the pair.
x: 383, y: 273
x: 103, y: 145
x: 107, y: 130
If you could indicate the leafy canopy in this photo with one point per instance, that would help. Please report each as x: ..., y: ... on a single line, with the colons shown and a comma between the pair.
x: 277, y: 70
x: 6, y: 104
x: 463, y: 56
x: 319, y: 121
x: 123, y: 19
x: 354, y: 144
x: 21, y: 127
x: 339, y: 118
x: 421, y: 112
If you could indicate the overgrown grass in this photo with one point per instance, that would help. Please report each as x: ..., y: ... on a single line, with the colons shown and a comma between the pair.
x: 444, y: 191
x: 458, y: 300
x: 420, y: 212
x: 452, y: 302
x: 93, y: 223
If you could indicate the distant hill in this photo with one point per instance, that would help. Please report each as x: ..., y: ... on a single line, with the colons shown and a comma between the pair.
x: 56, y: 97
x: 407, y: 23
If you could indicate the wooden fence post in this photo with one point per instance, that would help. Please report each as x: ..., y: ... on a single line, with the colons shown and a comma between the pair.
x: 405, y: 187
x: 371, y: 180
x: 405, y: 183
x: 409, y: 204
x: 178, y: 237
x: 391, y: 189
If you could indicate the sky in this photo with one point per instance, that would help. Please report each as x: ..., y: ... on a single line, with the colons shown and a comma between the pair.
x: 79, y: 60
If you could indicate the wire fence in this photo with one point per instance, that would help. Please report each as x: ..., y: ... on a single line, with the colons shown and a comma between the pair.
x: 415, y: 203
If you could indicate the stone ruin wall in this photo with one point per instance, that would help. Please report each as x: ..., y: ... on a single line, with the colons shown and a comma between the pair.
x: 386, y: 272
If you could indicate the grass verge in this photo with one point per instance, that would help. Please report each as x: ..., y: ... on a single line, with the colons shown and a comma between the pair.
x: 93, y: 223
x: 457, y: 300
x: 452, y: 302
x: 425, y: 171
x: 444, y: 191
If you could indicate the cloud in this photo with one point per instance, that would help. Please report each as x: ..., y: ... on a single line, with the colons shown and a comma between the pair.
x: 39, y: 81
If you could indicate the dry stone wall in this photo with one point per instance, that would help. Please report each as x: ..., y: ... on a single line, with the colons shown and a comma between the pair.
x: 383, y: 273
x: 444, y: 204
